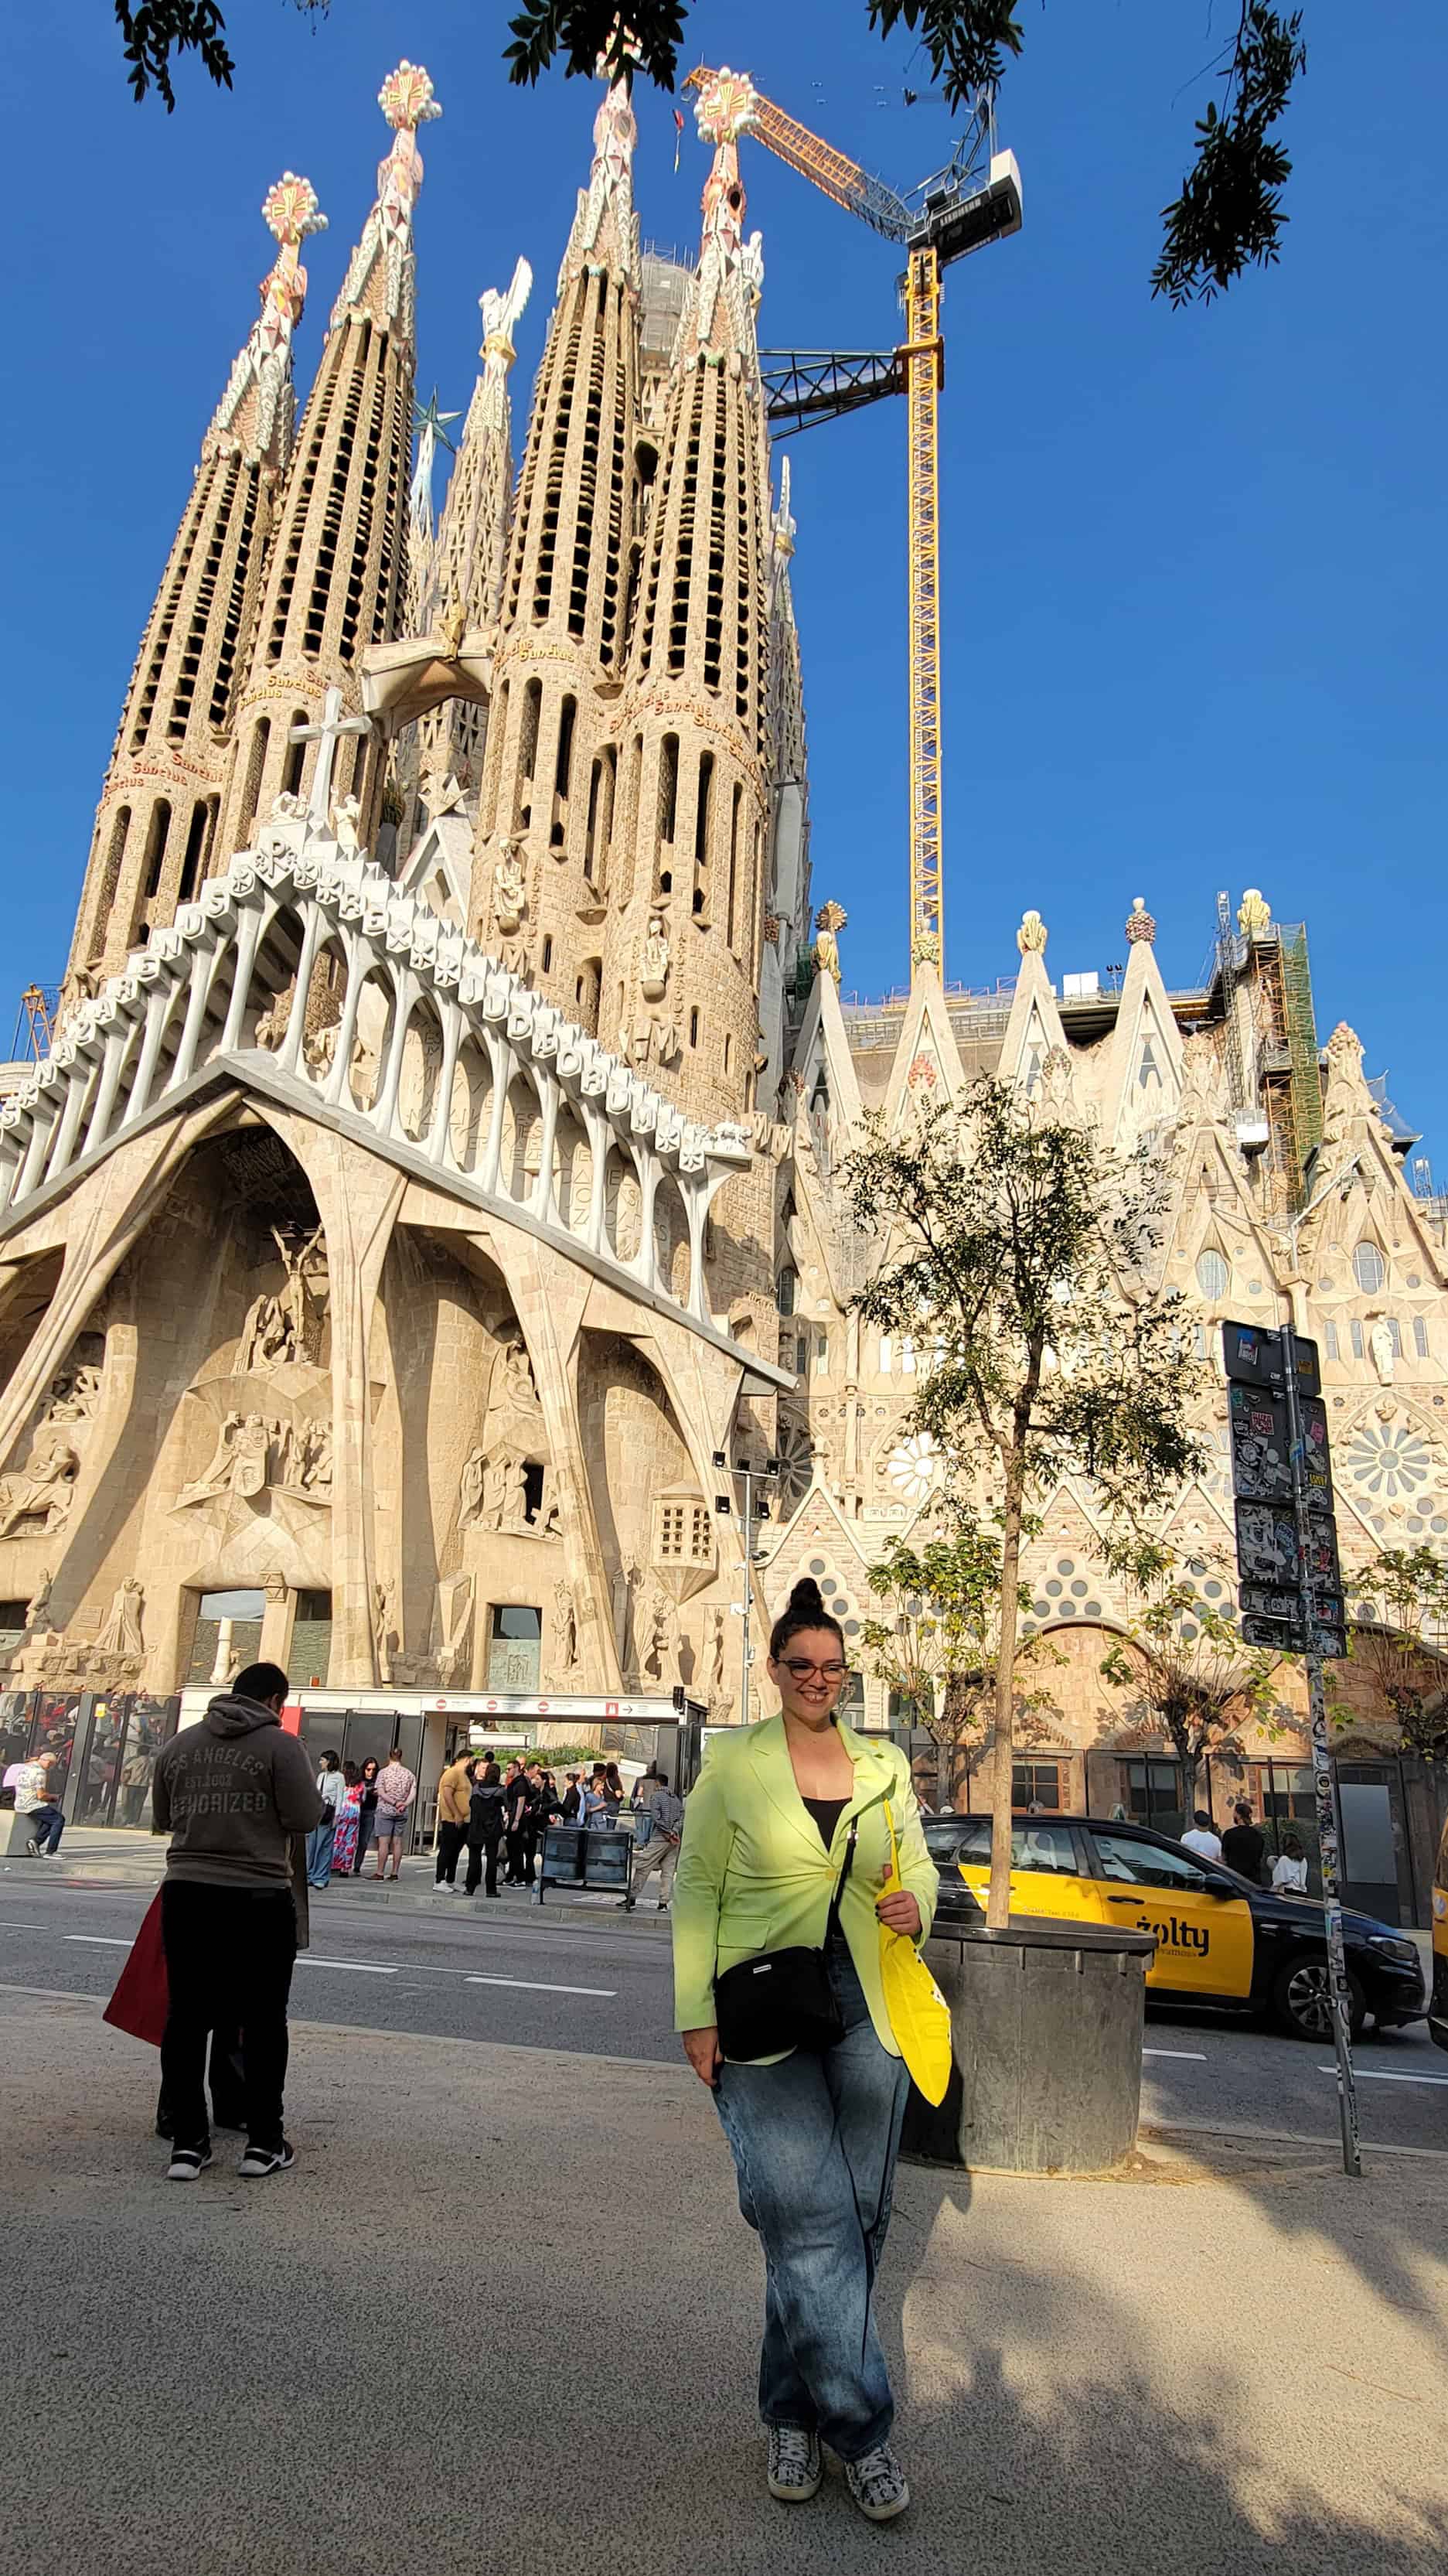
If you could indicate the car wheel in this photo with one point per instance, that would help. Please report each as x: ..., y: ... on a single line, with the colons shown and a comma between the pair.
x: 1303, y: 1999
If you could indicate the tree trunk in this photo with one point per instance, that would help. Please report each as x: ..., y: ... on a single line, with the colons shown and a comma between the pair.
x: 998, y: 1903
x: 944, y: 1774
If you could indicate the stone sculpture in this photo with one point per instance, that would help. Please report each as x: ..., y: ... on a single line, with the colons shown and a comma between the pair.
x: 120, y: 1632
x: 42, y: 1491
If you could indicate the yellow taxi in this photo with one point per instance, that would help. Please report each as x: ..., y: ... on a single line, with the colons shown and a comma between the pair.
x: 1438, y: 2000
x: 1219, y: 1939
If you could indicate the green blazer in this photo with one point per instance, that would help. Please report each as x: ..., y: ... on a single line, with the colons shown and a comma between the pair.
x: 753, y: 1874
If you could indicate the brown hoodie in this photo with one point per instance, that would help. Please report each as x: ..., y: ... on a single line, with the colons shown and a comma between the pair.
x: 229, y: 1792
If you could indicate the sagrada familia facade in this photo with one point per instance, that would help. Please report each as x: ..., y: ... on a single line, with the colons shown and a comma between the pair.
x: 435, y: 1167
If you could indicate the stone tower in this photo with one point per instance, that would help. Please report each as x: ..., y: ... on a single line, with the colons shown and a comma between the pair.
x: 546, y: 818
x: 156, y: 825
x: 682, y: 948
x: 335, y: 580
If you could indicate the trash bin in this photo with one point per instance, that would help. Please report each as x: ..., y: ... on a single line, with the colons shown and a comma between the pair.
x: 1046, y: 2022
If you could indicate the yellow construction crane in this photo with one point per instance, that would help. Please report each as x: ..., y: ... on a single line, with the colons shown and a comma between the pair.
x: 975, y: 199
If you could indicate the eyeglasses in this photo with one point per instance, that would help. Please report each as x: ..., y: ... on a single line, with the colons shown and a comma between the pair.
x: 803, y: 1672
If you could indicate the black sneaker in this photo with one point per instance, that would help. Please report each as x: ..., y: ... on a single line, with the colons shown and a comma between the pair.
x: 794, y: 2471
x: 187, y: 2163
x: 259, y: 2161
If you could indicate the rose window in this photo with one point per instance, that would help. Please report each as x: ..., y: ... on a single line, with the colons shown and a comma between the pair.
x: 794, y: 1450
x: 914, y: 1467
x: 1388, y: 1458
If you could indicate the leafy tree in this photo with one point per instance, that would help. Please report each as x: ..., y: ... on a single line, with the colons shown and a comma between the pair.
x: 941, y: 1651
x: 1186, y: 1661
x: 1023, y: 1249
x: 1400, y: 1633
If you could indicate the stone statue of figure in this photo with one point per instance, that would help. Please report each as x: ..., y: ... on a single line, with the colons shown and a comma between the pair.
x: 1031, y: 937
x: 346, y: 815
x: 830, y: 919
x: 1380, y: 1343
x: 565, y: 1627
x: 121, y: 1632
x: 714, y: 1652
x: 550, y: 1510
x: 265, y: 1336
x: 43, y: 1490
x: 37, y: 1609
x: 297, y: 1304
x: 382, y: 1629
x: 655, y: 1627
x: 1254, y: 914
x: 515, y: 1505
x: 495, y: 1492
x: 625, y: 1583
x: 74, y: 1395
x: 470, y: 1496
x: 509, y: 891
x: 656, y: 961
x: 519, y: 1391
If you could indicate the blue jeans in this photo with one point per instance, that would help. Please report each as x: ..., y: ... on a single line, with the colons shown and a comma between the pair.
x: 814, y: 2141
x: 319, y: 1850
x: 47, y: 1824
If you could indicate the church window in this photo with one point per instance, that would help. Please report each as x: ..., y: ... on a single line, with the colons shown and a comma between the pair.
x: 156, y: 845
x: 1199, y: 1343
x: 547, y: 953
x: 1330, y: 1341
x: 587, y: 993
x: 702, y: 804
x: 907, y: 1357
x: 693, y: 1028
x: 563, y: 766
x: 1148, y: 1071
x: 528, y: 738
x: 1212, y: 1275
x: 191, y: 863
x: 728, y: 1050
x: 668, y: 788
x: 734, y: 805
x: 787, y: 1291
x: 822, y: 1355
x: 114, y: 855
x: 1420, y: 1336
x: 1394, y: 1335
x: 1368, y: 1268
x: 591, y: 830
x: 1357, y: 1339
x: 682, y: 1535
x: 296, y: 755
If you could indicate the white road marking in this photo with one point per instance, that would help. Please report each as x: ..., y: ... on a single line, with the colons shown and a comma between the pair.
x: 1198, y: 2056
x: 358, y: 1967
x: 539, y: 1986
x: 1380, y: 2075
x: 99, y: 1940
x: 21, y: 1923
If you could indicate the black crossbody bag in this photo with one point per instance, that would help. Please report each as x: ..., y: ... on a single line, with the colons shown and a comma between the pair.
x: 784, y: 1998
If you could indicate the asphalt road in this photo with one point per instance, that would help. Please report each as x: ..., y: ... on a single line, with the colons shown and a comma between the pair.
x: 583, y: 1978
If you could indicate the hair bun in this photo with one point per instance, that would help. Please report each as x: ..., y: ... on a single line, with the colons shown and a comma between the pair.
x: 806, y: 1601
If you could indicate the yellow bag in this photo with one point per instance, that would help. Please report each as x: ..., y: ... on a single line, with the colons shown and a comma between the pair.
x: 919, y: 2013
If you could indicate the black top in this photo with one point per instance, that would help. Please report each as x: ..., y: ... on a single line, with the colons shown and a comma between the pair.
x: 826, y: 1813
x: 1242, y: 1850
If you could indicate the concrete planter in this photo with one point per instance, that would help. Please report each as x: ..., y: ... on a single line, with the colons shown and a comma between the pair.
x: 1047, y: 2022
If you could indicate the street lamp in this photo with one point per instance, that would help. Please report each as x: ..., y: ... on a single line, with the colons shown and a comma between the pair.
x: 749, y: 1475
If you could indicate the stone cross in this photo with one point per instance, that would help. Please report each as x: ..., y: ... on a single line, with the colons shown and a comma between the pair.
x: 326, y: 736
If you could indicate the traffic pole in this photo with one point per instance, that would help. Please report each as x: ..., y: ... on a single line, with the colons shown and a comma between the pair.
x: 1329, y: 1828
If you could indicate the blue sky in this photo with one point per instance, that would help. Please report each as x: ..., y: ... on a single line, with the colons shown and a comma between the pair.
x: 1194, y: 564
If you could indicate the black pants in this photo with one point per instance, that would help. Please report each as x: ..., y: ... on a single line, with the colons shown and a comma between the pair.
x: 488, y: 1846
x: 366, y: 1828
x: 520, y: 1858
x: 229, y: 1956
x: 227, y: 2085
x: 450, y: 1840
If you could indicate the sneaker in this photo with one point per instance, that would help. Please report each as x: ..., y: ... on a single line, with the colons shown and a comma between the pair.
x: 33, y: 1848
x: 662, y: 1906
x: 259, y: 2161
x: 877, y: 2483
x: 794, y: 2463
x: 187, y: 2163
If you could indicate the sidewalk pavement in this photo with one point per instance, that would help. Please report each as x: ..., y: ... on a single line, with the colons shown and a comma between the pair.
x: 504, y: 2307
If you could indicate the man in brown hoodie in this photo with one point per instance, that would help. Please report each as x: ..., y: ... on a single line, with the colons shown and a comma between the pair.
x: 230, y: 1791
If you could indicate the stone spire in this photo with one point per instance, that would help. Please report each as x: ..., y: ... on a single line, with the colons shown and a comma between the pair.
x: 156, y: 825
x: 472, y: 536
x: 697, y: 764
x: 335, y: 582
x: 430, y: 427
x: 546, y: 810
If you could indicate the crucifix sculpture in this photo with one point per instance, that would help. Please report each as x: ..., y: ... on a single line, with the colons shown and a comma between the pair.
x: 326, y: 735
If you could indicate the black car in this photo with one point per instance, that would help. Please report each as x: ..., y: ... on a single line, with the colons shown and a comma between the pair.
x: 1219, y: 1940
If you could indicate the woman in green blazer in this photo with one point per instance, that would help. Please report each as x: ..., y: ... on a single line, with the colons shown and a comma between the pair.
x: 814, y: 2138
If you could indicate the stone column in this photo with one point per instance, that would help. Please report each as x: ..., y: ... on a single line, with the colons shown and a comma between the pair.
x: 357, y: 1197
